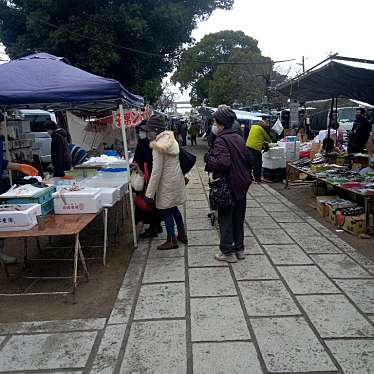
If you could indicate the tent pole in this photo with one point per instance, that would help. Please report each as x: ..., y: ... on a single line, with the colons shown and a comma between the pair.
x: 124, y: 137
x: 7, y: 152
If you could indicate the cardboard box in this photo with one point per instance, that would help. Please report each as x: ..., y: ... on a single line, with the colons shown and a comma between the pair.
x: 321, y: 204
x: 331, y: 214
x: 356, y: 225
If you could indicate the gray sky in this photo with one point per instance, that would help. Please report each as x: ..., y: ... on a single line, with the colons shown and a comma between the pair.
x: 293, y: 28
x: 287, y: 29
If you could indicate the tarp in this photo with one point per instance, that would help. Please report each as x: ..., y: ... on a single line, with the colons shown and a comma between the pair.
x: 339, y: 77
x: 45, y: 81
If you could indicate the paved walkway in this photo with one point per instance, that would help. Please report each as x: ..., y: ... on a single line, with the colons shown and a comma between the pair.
x: 301, y: 302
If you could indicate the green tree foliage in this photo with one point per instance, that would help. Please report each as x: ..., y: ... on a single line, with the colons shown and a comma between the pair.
x: 225, y: 67
x: 101, y: 35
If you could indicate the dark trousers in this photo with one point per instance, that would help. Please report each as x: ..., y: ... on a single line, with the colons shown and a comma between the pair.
x: 193, y: 139
x: 170, y: 216
x: 256, y: 162
x: 231, y: 225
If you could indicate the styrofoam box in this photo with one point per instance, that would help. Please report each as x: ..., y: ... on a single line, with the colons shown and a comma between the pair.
x: 109, y: 196
x: 21, y: 217
x: 87, y: 200
x: 274, y: 163
x: 99, y: 182
x: 276, y: 152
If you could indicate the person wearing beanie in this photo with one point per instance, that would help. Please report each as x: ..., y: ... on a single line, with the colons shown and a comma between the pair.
x: 166, y: 186
x: 229, y: 159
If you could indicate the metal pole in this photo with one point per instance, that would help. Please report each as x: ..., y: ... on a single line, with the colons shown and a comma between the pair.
x: 7, y: 152
x: 123, y: 129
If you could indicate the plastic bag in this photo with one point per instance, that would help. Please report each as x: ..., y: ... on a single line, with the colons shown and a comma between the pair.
x: 278, y: 127
x: 137, y: 181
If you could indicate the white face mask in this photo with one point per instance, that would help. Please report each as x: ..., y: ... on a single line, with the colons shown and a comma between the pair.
x: 215, y: 130
x: 142, y: 134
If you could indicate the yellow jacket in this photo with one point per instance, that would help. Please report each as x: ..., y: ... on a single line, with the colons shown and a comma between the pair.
x: 257, y: 137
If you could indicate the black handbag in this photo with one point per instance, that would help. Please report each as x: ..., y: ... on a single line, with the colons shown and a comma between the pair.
x: 220, y: 195
x: 187, y: 161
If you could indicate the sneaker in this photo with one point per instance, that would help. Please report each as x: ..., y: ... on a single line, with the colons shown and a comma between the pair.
x: 240, y: 255
x: 227, y: 258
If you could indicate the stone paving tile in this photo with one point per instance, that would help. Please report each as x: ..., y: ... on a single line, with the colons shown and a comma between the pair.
x: 126, y: 296
x: 155, y: 253
x: 261, y: 223
x: 202, y: 223
x: 109, y: 349
x: 52, y: 326
x: 300, y: 230
x: 287, y: 254
x: 203, y: 237
x: 47, y: 351
x: 286, y: 217
x: 197, y: 213
x: 317, y: 245
x: 211, y: 282
x: 252, y: 246
x: 289, y: 345
x: 360, y: 291
x: 252, y: 204
x: 256, y: 212
x: 254, y: 267
x: 335, y: 317
x: 276, y: 207
x: 196, y: 197
x: 371, y: 318
x: 197, y: 204
x: 265, y: 198
x: 203, y: 256
x: 354, y: 356
x: 247, y: 232
x: 258, y: 193
x: 156, y: 347
x: 224, y: 358
x: 307, y: 280
x: 340, y: 266
x: 161, y: 301
x: 361, y: 259
x: 218, y: 319
x: 267, y: 298
x: 164, y: 270
x: 275, y: 236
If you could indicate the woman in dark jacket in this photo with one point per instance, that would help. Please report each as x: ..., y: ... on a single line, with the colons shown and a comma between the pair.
x: 142, y: 157
x: 229, y: 158
x: 60, y: 153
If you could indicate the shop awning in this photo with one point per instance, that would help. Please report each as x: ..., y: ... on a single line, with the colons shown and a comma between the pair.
x: 339, y: 77
x: 44, y: 81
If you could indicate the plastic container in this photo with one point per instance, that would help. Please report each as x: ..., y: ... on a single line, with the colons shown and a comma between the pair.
x: 87, y: 200
x: 47, y: 207
x: 28, y: 195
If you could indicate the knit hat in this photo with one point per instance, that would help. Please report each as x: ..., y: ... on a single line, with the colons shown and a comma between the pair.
x: 156, y: 124
x: 225, y: 116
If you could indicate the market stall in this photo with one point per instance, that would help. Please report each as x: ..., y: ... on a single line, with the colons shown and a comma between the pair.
x: 326, y: 161
x: 48, y: 82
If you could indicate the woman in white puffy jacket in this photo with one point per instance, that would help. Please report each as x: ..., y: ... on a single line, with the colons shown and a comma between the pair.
x: 167, y: 185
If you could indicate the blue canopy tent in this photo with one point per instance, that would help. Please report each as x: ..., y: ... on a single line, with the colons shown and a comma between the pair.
x: 44, y: 81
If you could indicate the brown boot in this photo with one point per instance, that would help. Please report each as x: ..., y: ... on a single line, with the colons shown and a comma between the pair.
x: 169, y: 244
x: 182, y: 237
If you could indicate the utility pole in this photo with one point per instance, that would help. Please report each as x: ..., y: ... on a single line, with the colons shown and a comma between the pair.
x: 303, y: 63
